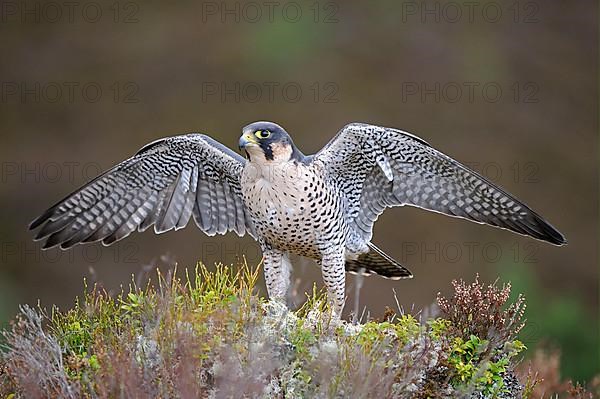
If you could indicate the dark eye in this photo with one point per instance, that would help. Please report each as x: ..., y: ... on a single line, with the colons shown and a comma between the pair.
x: 262, y: 134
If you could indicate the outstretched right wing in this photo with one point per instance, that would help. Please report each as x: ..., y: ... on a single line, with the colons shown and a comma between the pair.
x: 378, y: 167
x: 162, y: 185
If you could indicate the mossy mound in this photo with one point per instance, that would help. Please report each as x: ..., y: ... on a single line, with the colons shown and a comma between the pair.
x: 210, y: 335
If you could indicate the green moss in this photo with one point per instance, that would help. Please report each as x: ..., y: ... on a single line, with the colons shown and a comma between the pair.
x: 302, y: 339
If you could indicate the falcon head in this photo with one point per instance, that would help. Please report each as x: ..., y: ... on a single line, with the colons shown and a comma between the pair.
x: 268, y: 142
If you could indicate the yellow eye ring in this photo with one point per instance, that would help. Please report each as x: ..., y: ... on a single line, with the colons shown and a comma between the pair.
x: 262, y: 134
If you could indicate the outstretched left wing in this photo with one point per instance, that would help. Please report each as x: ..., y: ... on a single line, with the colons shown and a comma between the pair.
x: 378, y: 167
x: 162, y: 185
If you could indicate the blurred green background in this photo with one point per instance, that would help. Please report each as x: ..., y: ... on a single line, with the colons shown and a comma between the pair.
x: 509, y: 88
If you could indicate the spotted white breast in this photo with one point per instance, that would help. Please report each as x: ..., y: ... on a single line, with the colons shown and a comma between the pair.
x: 282, y: 199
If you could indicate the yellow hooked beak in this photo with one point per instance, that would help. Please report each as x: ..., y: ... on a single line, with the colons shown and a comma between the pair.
x: 247, y: 139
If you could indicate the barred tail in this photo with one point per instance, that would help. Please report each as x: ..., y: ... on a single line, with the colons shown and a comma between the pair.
x: 376, y: 261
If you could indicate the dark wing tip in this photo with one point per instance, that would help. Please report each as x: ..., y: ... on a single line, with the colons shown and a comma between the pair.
x: 41, y: 219
x: 551, y: 234
x: 399, y: 274
x: 50, y: 244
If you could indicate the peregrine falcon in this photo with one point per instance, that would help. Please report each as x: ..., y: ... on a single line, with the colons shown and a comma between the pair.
x: 321, y: 206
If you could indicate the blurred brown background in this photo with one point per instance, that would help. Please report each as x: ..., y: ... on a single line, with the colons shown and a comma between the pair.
x: 509, y: 88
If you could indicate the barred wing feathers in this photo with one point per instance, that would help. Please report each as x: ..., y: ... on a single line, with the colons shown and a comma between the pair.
x: 162, y: 185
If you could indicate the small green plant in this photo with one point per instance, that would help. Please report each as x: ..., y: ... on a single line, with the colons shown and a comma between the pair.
x: 407, y: 328
x: 472, y: 364
x: 438, y: 327
x: 464, y: 355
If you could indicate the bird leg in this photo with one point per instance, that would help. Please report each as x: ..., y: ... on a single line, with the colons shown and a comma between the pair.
x: 276, y: 265
x: 334, y: 275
